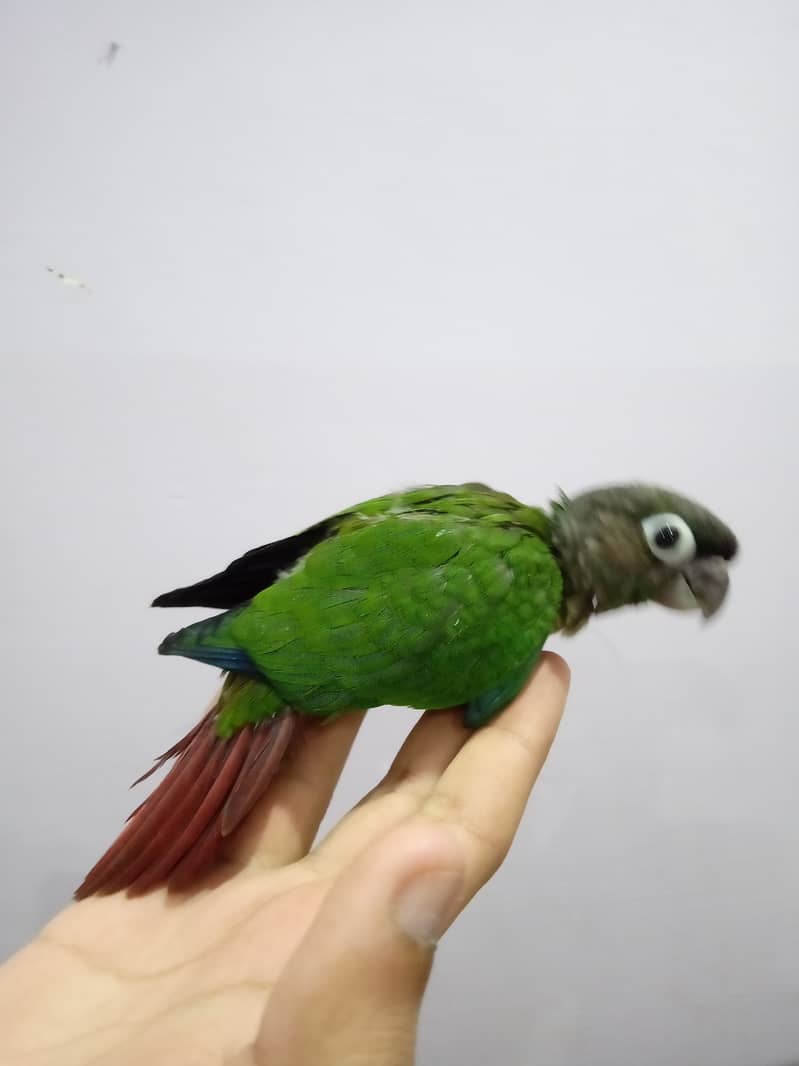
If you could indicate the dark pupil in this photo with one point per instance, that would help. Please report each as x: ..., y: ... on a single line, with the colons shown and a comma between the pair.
x: 666, y: 536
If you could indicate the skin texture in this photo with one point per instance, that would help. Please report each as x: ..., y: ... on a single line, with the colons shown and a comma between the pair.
x: 298, y: 956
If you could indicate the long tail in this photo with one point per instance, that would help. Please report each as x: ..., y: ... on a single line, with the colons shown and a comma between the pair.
x: 175, y: 835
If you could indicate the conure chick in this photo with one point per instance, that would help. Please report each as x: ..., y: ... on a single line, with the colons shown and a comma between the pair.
x: 437, y: 597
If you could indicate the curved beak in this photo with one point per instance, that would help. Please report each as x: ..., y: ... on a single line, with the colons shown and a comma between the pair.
x: 701, y: 585
x: 709, y: 581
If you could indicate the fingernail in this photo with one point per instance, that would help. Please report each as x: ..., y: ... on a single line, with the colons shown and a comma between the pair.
x: 426, y: 905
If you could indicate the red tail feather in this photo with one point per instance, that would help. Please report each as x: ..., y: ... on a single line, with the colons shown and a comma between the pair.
x: 174, y: 836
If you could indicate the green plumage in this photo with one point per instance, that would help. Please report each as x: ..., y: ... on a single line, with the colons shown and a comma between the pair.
x: 413, y: 612
x: 438, y: 597
x: 423, y: 600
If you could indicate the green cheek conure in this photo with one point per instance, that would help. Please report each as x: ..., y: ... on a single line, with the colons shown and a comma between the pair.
x: 436, y: 597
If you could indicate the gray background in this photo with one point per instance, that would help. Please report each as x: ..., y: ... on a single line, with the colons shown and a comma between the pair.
x: 341, y: 248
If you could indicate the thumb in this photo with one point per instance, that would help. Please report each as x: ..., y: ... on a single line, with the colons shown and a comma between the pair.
x: 352, y: 992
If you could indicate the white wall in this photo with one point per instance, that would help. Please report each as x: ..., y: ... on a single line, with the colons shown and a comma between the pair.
x: 339, y: 248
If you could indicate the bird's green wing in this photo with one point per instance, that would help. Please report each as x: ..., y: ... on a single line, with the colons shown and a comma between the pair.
x: 423, y: 610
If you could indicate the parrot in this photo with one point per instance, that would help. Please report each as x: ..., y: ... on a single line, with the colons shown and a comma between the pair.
x: 436, y: 597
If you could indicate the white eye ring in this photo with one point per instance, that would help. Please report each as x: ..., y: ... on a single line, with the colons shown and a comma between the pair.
x: 669, y: 538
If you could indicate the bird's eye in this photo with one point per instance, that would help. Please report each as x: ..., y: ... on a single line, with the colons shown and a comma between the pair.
x: 669, y: 538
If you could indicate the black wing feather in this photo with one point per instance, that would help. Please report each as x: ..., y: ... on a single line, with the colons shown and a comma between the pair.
x: 256, y: 570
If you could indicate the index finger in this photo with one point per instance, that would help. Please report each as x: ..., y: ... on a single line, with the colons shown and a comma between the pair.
x: 485, y: 789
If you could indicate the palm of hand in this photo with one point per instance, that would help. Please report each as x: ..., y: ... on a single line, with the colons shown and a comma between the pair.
x: 186, y: 979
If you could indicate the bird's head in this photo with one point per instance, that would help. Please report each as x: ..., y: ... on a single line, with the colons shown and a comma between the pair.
x: 627, y: 544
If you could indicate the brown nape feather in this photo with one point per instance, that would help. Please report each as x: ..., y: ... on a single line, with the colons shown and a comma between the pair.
x: 175, y: 834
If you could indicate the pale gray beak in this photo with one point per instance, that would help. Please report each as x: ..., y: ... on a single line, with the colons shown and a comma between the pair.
x: 709, y: 581
x: 702, y: 584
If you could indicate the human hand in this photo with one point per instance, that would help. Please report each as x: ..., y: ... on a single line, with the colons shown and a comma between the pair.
x: 297, y: 957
